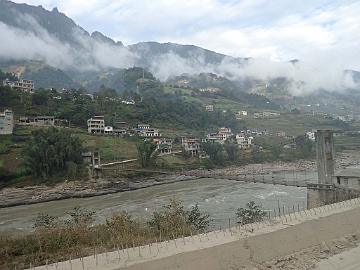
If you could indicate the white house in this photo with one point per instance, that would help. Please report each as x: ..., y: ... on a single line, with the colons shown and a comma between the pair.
x: 243, y: 141
x: 108, y: 130
x: 191, y: 145
x: 96, y: 125
x: 221, y: 136
x: 241, y: 114
x: 209, y: 108
x: 6, y: 122
x: 26, y: 86
x: 311, y: 135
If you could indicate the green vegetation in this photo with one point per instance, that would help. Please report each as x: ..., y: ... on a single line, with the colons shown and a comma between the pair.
x: 53, y: 151
x: 147, y: 153
x: 57, y: 239
x: 251, y: 214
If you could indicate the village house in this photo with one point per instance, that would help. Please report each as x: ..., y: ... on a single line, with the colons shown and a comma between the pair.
x: 209, y: 108
x: 211, y: 90
x: 22, y: 85
x: 91, y: 96
x: 244, y: 142
x: 150, y: 133
x: 142, y: 127
x: 348, y: 178
x: 128, y: 102
x: 41, y: 121
x: 6, y: 122
x: 191, y: 145
x: 241, y: 115
x: 96, y: 125
x: 108, y: 130
x: 281, y: 134
x: 311, y: 135
x: 265, y: 115
x: 163, y: 145
x: 220, y: 137
x: 121, y: 128
x: 224, y: 133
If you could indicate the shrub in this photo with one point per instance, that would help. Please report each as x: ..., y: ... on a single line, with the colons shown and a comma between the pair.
x: 251, y: 214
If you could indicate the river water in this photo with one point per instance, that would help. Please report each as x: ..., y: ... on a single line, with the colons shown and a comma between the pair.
x: 219, y: 197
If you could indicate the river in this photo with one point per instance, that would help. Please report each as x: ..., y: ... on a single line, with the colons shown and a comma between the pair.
x: 219, y: 197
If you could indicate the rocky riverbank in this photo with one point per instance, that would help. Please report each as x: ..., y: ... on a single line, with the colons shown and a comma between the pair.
x: 344, y: 159
x: 80, y: 189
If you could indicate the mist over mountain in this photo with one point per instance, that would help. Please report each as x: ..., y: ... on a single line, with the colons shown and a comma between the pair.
x: 31, y: 33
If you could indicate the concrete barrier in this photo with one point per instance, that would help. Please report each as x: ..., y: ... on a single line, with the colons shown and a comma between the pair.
x: 234, y: 247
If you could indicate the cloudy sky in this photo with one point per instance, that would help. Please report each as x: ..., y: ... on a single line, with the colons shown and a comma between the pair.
x: 276, y: 30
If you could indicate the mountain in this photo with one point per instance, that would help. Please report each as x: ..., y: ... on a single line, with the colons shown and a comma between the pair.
x: 29, y: 17
x: 70, y: 56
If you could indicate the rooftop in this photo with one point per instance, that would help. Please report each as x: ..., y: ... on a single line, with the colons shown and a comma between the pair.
x: 349, y: 172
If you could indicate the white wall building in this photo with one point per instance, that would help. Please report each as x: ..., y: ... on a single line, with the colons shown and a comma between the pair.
x: 311, y: 135
x: 37, y: 121
x: 209, y: 108
x: 23, y: 85
x: 150, y: 133
x: 244, y: 142
x: 6, y: 122
x: 96, y: 125
x: 191, y: 145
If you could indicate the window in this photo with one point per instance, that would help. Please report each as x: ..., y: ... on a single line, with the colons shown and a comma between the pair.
x: 346, y: 181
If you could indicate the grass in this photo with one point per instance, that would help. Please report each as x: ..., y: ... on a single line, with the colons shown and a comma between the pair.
x: 347, y: 142
x: 292, y: 124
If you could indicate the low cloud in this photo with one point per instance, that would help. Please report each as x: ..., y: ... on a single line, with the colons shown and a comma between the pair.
x: 38, y: 44
x: 320, y: 68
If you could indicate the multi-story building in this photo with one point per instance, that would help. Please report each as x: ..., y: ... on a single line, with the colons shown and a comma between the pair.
x: 6, y: 122
x: 163, y: 145
x: 23, y: 85
x: 243, y: 141
x: 142, y: 127
x: 209, y: 108
x: 150, y: 133
x: 37, y: 121
x: 241, y: 114
x: 220, y: 137
x: 96, y: 125
x: 211, y: 90
x: 191, y: 145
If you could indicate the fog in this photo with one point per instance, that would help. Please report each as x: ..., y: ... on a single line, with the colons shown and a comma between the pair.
x: 304, y: 77
x: 317, y: 71
x: 38, y: 44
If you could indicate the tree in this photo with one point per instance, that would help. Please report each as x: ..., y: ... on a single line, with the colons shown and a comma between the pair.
x: 215, y: 152
x: 50, y: 150
x: 232, y: 149
x: 198, y: 219
x: 252, y: 213
x: 146, y: 153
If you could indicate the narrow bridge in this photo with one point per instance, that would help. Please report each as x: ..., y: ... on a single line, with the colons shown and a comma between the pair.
x: 258, y: 178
